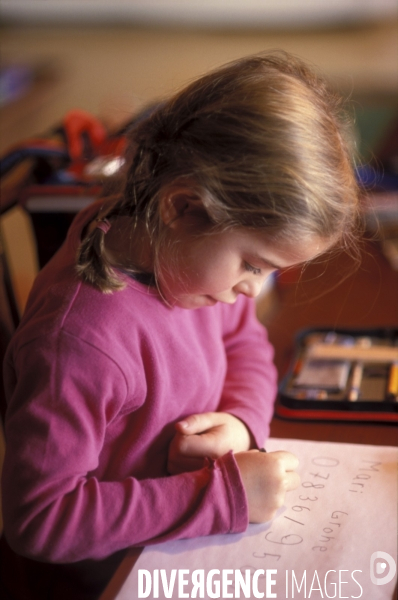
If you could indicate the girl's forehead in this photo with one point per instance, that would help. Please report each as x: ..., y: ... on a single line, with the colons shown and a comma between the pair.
x: 284, y: 251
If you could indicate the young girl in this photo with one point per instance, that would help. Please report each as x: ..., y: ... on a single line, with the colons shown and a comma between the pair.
x: 140, y: 385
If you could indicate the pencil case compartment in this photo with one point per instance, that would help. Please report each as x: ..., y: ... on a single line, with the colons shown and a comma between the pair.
x: 342, y: 375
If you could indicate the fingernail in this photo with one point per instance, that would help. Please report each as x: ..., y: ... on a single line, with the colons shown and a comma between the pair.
x: 183, y: 424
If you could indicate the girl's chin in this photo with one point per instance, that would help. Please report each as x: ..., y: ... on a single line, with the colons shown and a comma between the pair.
x: 210, y: 301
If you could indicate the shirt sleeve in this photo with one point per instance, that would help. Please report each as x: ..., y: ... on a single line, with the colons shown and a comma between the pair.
x: 251, y: 381
x: 55, y: 508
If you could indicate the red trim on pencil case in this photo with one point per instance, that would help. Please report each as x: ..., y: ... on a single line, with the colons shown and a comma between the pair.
x: 334, y: 415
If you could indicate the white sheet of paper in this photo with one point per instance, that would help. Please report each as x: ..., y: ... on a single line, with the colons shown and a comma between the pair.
x: 344, y: 511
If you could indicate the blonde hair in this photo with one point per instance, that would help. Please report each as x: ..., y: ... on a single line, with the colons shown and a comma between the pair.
x: 263, y: 138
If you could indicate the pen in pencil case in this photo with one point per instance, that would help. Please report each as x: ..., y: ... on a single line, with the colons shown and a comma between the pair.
x: 321, y: 375
x: 373, y: 354
x: 308, y: 394
x: 356, y: 380
x: 392, y: 388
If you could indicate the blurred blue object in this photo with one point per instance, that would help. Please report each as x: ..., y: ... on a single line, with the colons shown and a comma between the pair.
x: 15, y: 80
x: 370, y: 178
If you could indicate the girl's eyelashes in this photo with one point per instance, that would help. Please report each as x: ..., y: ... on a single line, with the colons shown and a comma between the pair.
x: 251, y: 269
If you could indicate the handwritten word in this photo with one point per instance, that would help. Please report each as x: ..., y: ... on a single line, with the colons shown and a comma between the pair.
x: 337, y: 514
x: 358, y: 482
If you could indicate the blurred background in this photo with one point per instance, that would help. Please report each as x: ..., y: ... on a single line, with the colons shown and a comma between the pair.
x: 113, y: 57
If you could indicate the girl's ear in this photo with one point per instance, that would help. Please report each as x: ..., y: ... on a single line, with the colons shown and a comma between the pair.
x: 178, y: 204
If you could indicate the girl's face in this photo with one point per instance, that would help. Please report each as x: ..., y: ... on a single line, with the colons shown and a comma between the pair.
x: 201, y: 271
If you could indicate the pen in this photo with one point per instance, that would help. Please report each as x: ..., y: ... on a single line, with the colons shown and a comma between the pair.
x: 309, y: 394
x: 356, y: 379
x: 374, y: 354
x: 392, y: 389
x: 297, y: 367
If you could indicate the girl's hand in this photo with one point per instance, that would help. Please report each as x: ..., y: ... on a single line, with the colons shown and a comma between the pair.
x: 266, y: 478
x: 202, y: 435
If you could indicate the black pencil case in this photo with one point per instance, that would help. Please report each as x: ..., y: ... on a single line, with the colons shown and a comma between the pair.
x: 342, y: 375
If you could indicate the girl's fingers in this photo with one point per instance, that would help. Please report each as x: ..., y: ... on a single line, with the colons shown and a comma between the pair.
x: 213, y: 434
x: 206, y: 444
x: 199, y: 423
x: 267, y: 477
x: 293, y: 480
x: 289, y: 461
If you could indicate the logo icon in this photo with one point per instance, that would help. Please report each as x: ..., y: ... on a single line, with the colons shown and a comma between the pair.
x: 378, y: 566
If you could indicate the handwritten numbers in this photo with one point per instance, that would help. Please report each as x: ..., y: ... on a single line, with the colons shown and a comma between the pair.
x: 297, y: 539
x: 298, y: 508
x: 320, y: 475
x: 305, y: 498
x: 309, y: 484
x: 322, y: 461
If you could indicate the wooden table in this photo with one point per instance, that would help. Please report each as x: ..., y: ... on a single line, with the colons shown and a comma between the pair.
x: 336, y: 294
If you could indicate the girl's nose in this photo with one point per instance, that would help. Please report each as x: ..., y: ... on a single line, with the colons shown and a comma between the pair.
x: 250, y: 288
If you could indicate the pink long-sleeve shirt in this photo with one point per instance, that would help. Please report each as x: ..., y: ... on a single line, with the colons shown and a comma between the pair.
x: 95, y: 384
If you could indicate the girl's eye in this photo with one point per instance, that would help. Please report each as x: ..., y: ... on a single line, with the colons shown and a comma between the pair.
x: 252, y: 269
